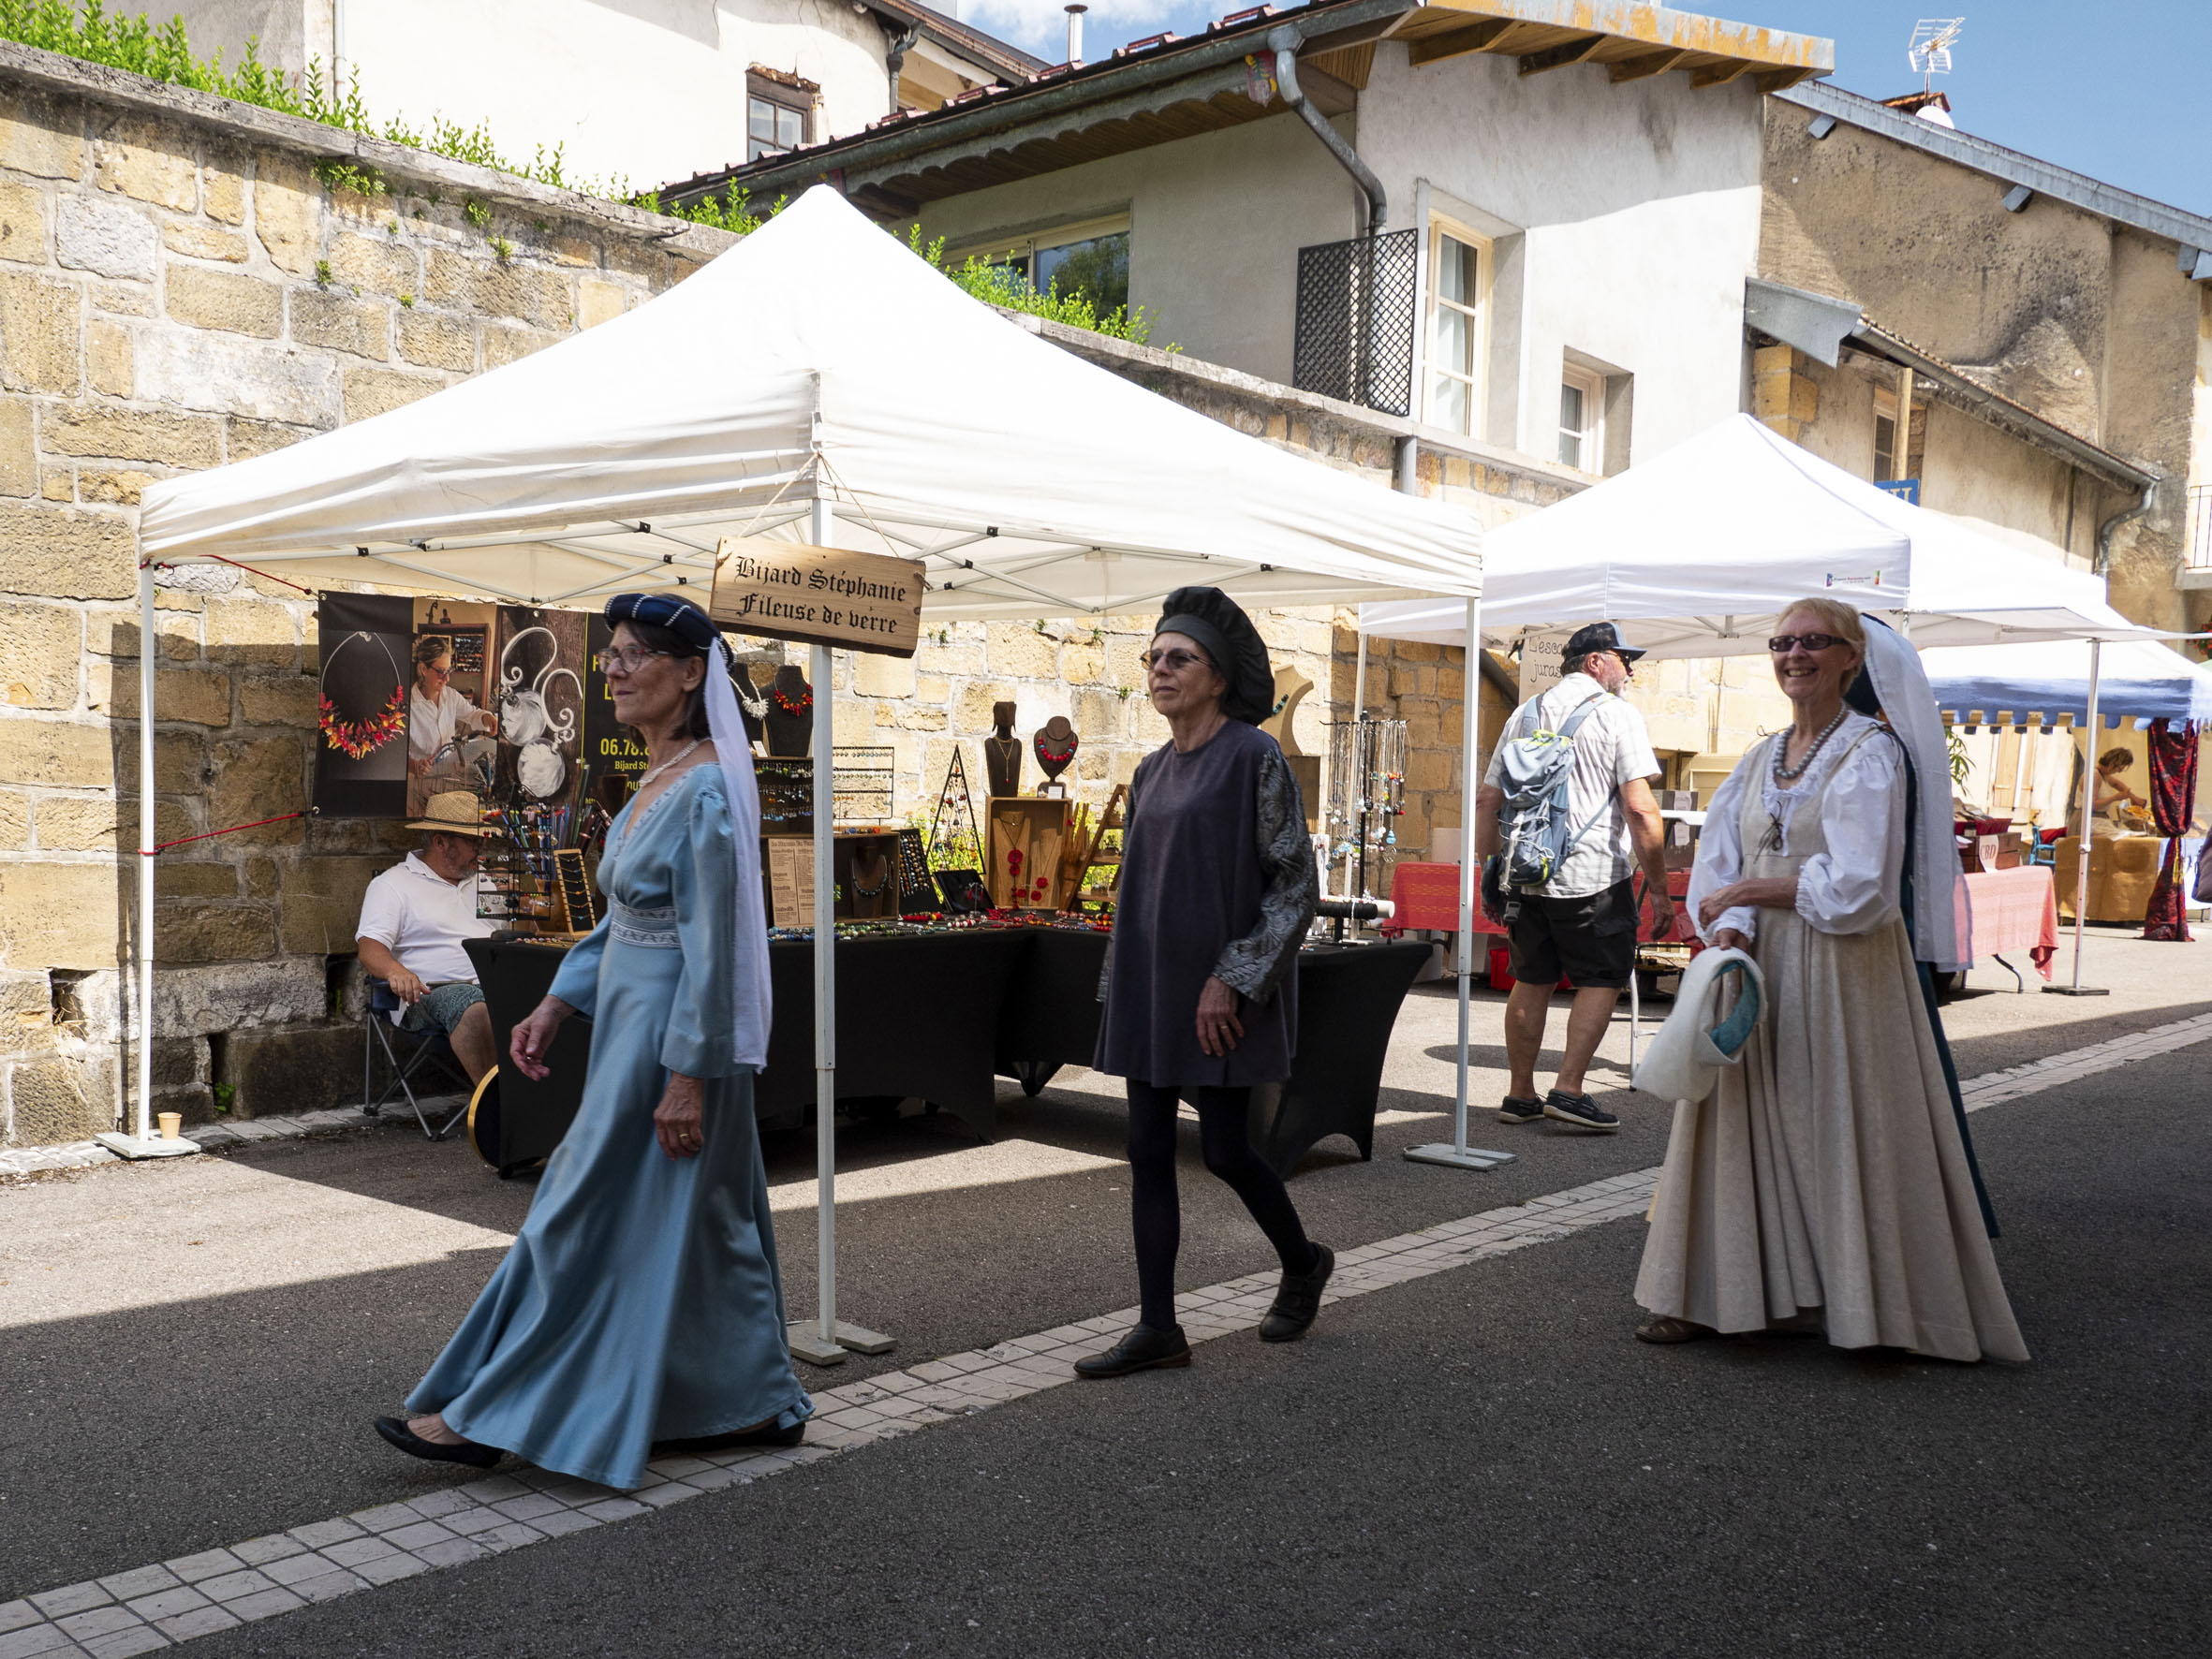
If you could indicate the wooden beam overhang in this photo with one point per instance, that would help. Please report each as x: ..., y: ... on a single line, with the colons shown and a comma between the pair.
x: 1649, y: 63
x: 1560, y: 57
x: 1435, y: 49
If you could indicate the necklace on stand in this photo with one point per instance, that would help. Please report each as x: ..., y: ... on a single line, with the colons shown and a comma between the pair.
x: 802, y: 704
x: 1789, y: 774
x: 668, y: 762
x: 754, y: 704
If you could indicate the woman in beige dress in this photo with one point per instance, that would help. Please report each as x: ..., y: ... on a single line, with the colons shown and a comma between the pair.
x: 1826, y: 1185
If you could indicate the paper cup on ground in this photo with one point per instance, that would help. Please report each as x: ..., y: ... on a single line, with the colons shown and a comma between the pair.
x: 173, y: 1124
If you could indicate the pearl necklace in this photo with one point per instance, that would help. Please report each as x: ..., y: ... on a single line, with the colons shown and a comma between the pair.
x: 668, y: 762
x: 1792, y: 773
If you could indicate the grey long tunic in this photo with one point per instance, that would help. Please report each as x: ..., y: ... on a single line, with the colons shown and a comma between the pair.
x: 1216, y: 879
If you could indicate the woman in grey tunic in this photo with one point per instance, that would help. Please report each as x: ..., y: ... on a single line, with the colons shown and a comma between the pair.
x: 1218, y: 888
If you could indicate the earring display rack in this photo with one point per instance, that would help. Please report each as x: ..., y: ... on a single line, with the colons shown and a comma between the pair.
x: 861, y: 785
x: 787, y: 795
x: 1367, y: 797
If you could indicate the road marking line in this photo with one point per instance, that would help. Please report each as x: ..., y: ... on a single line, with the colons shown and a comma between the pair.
x: 173, y: 1601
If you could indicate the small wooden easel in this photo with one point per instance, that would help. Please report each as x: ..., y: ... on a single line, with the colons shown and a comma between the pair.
x: 1097, y: 854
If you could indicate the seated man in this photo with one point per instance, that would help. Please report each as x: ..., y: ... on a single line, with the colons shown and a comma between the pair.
x: 413, y: 918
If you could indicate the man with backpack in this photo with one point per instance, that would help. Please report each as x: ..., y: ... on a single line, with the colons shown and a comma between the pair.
x: 1564, y: 817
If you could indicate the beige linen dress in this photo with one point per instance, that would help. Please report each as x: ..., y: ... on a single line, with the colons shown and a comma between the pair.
x: 1826, y: 1173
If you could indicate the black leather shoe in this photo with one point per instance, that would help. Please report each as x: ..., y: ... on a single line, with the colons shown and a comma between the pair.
x: 1143, y: 1349
x: 1298, y: 1300
x: 396, y: 1432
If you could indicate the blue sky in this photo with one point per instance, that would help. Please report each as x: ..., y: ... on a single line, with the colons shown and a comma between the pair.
x: 2112, y: 88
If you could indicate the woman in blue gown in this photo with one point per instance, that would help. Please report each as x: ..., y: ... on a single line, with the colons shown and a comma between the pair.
x: 641, y: 1300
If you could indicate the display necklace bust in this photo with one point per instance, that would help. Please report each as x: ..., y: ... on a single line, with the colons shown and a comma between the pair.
x: 871, y: 874
x: 1002, y: 753
x: 1055, y: 743
x: 790, y: 716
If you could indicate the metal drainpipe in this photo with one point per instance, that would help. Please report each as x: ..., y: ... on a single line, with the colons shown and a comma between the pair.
x: 895, y: 59
x: 1284, y: 42
x: 2129, y: 516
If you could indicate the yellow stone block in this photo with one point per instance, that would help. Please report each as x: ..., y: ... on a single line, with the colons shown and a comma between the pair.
x: 204, y: 242
x: 23, y: 221
x: 287, y: 213
x: 436, y: 342
x: 134, y: 158
x: 60, y: 916
x: 38, y: 334
x: 374, y: 391
x: 228, y: 301
x: 36, y: 138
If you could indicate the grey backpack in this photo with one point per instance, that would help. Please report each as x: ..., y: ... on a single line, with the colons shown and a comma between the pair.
x: 1533, y: 771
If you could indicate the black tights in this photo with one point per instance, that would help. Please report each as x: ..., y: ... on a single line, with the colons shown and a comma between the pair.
x: 1225, y: 1138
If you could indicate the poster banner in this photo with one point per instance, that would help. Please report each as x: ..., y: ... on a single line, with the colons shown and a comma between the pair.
x: 538, y: 696
x: 610, y: 750
x: 361, y: 751
x: 452, y: 733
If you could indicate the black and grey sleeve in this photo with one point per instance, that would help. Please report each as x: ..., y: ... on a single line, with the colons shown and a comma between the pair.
x: 1255, y: 965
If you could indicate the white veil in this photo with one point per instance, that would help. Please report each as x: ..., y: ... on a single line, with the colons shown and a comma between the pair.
x: 1901, y: 687
x: 749, y: 946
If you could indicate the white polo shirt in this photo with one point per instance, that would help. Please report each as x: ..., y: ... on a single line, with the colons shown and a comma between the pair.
x: 422, y: 917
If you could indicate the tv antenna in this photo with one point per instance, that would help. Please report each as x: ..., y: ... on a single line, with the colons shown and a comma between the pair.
x: 1930, y: 51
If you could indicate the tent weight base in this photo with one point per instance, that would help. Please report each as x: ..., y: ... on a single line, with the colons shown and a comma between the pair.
x: 1471, y: 1158
x: 2075, y: 991
x: 805, y: 1338
x: 860, y: 1340
x: 130, y: 1146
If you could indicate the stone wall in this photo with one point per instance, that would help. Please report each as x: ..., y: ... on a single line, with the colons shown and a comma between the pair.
x: 180, y: 287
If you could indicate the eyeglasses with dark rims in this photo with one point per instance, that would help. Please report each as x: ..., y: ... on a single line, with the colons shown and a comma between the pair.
x: 1785, y: 642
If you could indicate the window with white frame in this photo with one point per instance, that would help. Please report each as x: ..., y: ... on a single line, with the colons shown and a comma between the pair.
x: 1581, y: 419
x: 1890, y: 466
x: 1457, y: 262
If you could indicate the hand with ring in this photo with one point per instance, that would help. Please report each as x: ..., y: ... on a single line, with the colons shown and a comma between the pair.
x: 1219, y: 1027
x: 677, y: 1122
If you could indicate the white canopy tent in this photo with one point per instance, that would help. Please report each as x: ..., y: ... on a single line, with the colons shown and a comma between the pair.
x: 816, y: 383
x: 1698, y: 550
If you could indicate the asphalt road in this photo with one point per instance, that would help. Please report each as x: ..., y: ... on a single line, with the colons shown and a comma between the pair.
x: 1484, y: 1462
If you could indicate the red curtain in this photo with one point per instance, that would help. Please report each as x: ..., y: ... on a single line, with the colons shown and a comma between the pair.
x: 2172, y: 792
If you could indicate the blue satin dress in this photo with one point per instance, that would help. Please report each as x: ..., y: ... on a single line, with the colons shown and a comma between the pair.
x: 641, y: 1300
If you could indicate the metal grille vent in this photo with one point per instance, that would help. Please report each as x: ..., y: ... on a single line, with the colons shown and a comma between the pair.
x: 1357, y: 304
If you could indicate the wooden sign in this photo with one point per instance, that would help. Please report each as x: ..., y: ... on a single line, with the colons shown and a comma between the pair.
x: 787, y: 590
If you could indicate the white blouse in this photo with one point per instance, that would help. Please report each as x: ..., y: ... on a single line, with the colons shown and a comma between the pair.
x: 1853, y: 886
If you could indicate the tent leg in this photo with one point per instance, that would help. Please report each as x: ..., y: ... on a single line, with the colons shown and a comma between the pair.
x: 140, y: 1142
x: 2081, y: 876
x: 1460, y: 1155
x: 824, y: 1340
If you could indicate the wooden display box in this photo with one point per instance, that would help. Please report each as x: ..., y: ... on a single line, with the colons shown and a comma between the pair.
x: 1036, y: 830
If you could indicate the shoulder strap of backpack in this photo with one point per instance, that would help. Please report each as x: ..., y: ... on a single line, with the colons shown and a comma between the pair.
x: 1582, y: 712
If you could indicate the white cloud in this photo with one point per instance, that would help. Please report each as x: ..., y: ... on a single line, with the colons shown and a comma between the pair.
x: 1041, y: 27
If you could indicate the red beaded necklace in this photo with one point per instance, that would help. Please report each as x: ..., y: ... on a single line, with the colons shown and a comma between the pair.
x: 802, y: 704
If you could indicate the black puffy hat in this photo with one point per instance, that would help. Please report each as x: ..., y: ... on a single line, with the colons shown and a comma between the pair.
x: 1226, y: 636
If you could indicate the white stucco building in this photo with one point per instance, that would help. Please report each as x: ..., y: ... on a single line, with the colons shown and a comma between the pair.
x: 1570, y: 195
x: 634, y: 92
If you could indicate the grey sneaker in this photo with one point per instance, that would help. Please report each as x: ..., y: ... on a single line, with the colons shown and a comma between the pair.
x: 1581, y: 1112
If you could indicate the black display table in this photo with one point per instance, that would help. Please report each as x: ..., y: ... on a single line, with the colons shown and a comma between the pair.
x: 935, y: 1016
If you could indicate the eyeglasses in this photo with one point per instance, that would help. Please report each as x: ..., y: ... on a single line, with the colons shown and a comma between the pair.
x: 1174, y: 662
x: 1782, y: 642
x: 628, y: 659
x: 437, y: 673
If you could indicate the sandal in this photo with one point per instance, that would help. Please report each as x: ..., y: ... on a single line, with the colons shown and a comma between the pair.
x: 1667, y: 1330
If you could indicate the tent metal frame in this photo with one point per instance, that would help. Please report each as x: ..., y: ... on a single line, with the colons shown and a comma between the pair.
x: 823, y: 1340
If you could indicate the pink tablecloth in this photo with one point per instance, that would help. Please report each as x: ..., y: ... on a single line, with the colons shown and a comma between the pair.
x: 2007, y: 911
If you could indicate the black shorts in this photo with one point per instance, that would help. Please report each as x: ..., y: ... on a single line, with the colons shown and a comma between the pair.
x: 1590, y: 940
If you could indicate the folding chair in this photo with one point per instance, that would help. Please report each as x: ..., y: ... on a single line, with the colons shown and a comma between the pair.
x: 430, y: 1049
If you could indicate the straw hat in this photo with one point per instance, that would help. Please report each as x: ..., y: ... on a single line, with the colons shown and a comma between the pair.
x: 453, y: 813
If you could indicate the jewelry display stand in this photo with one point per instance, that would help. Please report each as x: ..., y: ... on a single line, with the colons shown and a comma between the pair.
x: 1054, y: 744
x: 1366, y: 794
x: 1002, y: 753
x: 789, y: 719
x: 1028, y: 833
